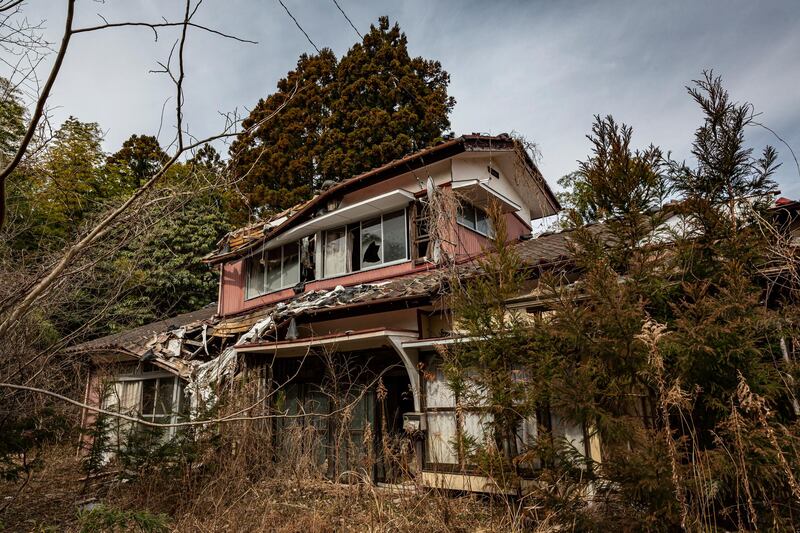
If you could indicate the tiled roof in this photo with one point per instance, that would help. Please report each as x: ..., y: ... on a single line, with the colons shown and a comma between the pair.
x: 241, y: 240
x: 133, y: 339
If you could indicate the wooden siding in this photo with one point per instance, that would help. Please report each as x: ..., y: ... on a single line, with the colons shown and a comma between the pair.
x: 469, y: 243
x: 233, y: 283
x: 232, y: 293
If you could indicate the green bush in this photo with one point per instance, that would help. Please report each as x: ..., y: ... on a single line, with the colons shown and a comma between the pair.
x: 108, y: 518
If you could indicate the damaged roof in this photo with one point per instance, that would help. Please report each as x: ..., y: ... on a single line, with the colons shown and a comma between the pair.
x: 154, y: 338
x: 418, y: 284
x: 240, y: 241
x: 132, y: 339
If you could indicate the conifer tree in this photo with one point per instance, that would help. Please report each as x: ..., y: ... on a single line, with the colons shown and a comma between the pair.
x: 339, y: 118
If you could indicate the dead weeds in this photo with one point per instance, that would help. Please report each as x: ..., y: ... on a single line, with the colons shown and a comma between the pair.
x: 281, y: 503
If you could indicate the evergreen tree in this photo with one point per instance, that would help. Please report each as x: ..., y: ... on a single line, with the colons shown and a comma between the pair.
x: 385, y: 104
x: 68, y: 183
x: 277, y: 164
x: 139, y: 158
x: 12, y: 119
x: 339, y: 118
x: 676, y: 331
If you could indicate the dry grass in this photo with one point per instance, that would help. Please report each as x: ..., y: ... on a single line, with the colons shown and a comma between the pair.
x: 281, y: 503
x: 312, y: 505
x: 48, y: 501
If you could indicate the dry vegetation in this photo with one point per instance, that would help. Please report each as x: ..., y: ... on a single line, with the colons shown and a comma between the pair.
x: 240, y: 483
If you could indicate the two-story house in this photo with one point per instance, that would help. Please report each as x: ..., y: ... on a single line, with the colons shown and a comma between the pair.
x: 346, y: 292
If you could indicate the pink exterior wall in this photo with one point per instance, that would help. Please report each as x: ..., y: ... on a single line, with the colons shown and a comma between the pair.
x: 232, y: 300
x: 232, y: 293
x: 516, y: 227
x: 470, y: 243
x: 233, y: 280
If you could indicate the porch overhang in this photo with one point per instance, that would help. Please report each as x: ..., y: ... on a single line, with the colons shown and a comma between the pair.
x: 348, y: 341
x: 482, y: 195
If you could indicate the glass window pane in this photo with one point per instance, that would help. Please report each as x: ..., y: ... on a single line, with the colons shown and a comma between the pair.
x: 466, y: 215
x: 148, y: 395
x: 353, y: 244
x: 273, y: 270
x: 371, y: 254
x: 255, y: 276
x: 182, y: 403
x: 308, y: 258
x: 166, y: 388
x: 439, y: 438
x: 394, y: 236
x: 484, y: 223
x: 335, y: 251
x: 291, y: 265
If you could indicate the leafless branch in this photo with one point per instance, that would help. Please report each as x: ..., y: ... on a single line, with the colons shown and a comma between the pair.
x: 39, y: 108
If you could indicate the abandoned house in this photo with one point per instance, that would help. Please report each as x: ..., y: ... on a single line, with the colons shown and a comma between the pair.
x: 346, y: 293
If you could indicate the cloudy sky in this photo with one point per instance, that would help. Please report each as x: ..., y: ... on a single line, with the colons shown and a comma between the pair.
x: 540, y: 68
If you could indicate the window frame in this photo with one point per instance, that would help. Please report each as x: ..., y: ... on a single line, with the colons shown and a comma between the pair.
x: 251, y: 261
x: 346, y: 230
x: 476, y: 210
x: 177, y: 402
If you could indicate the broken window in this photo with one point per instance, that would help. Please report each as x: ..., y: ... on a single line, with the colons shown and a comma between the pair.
x: 475, y: 219
x: 308, y: 258
x: 273, y: 270
x: 367, y: 244
x: 154, y: 399
x: 371, y: 248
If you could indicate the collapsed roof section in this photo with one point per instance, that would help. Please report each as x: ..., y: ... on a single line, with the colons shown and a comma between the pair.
x: 240, y: 241
x: 183, y: 343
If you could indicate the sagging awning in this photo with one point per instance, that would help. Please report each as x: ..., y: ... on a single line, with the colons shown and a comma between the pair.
x: 479, y: 193
x: 344, y: 215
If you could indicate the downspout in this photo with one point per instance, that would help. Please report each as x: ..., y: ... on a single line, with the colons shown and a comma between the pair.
x: 219, y: 288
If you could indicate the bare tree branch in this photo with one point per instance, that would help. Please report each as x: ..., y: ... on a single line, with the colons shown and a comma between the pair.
x: 39, y: 109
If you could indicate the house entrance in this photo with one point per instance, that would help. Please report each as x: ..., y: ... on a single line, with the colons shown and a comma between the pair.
x: 344, y: 413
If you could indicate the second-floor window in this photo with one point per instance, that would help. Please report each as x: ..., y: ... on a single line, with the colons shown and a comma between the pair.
x: 475, y: 219
x: 366, y: 244
x: 273, y: 270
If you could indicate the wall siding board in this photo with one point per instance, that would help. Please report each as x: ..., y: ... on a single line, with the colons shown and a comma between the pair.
x: 234, y: 282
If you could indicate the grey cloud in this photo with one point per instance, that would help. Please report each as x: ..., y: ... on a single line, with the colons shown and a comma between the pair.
x: 539, y: 68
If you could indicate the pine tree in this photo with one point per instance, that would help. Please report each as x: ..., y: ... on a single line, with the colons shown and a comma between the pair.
x: 277, y: 165
x: 385, y: 104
